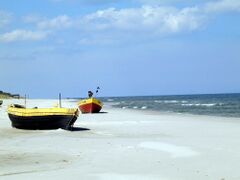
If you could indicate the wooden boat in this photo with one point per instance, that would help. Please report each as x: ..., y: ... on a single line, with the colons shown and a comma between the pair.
x: 42, y: 118
x: 90, y: 105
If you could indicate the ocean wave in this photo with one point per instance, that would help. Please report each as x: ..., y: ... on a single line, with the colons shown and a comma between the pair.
x: 115, y: 103
x: 219, y: 104
x: 110, y: 100
x: 171, y: 101
x: 166, y: 101
x: 199, y: 104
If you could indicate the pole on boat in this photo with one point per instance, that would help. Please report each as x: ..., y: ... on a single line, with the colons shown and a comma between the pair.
x: 25, y: 101
x: 60, y: 102
x: 97, y: 90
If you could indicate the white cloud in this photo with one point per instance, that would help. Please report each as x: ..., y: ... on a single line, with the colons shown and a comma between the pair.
x: 5, y: 18
x: 151, y: 20
x: 158, y: 19
x: 23, y: 35
x: 56, y: 23
x: 223, y: 6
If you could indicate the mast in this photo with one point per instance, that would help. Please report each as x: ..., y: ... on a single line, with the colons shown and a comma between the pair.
x: 25, y: 101
x: 60, y: 98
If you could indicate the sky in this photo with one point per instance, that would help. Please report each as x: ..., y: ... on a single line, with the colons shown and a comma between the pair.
x: 126, y: 47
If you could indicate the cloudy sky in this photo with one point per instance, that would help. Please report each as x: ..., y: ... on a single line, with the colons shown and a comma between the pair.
x: 127, y: 47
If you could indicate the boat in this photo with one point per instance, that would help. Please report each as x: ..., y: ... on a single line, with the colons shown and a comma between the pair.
x: 42, y: 118
x: 90, y: 105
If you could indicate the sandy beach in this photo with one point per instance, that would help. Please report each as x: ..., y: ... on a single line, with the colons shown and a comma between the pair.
x: 122, y: 144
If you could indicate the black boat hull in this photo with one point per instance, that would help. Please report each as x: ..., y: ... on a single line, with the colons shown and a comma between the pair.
x: 43, y: 122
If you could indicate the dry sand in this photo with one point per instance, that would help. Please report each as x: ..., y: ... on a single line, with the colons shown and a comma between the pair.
x: 123, y: 145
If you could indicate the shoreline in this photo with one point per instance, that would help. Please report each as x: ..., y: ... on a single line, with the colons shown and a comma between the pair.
x: 108, y: 105
x: 155, y: 112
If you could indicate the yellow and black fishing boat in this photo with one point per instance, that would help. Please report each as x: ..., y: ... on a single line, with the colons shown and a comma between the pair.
x: 42, y: 118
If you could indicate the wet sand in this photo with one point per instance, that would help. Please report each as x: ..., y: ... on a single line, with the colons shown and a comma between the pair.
x: 122, y: 144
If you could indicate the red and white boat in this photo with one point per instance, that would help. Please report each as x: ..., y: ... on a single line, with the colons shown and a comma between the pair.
x: 90, y: 105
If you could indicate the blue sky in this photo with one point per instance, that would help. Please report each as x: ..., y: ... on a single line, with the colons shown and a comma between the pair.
x: 134, y: 47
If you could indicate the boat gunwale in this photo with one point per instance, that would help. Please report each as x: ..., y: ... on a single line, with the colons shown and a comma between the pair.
x: 90, y: 101
x: 42, y: 111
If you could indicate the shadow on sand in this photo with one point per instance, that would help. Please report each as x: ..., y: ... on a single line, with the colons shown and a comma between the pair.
x: 78, y: 129
x: 102, y: 112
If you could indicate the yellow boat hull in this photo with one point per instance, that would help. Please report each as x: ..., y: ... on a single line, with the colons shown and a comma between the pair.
x: 90, y: 105
x: 42, y: 118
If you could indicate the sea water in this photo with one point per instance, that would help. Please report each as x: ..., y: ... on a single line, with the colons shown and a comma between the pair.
x: 227, y: 105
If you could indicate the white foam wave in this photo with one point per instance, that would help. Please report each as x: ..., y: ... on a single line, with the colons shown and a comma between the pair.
x: 199, y: 104
x: 144, y: 107
x: 110, y: 100
x: 158, y: 101
x: 116, y: 103
x: 170, y: 101
x: 166, y: 101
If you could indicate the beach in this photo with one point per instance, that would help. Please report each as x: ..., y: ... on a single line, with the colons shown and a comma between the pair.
x: 122, y: 144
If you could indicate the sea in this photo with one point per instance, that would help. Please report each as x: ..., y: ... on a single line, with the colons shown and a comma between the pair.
x: 227, y: 105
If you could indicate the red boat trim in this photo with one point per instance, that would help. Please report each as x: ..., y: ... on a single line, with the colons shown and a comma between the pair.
x: 90, y: 108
